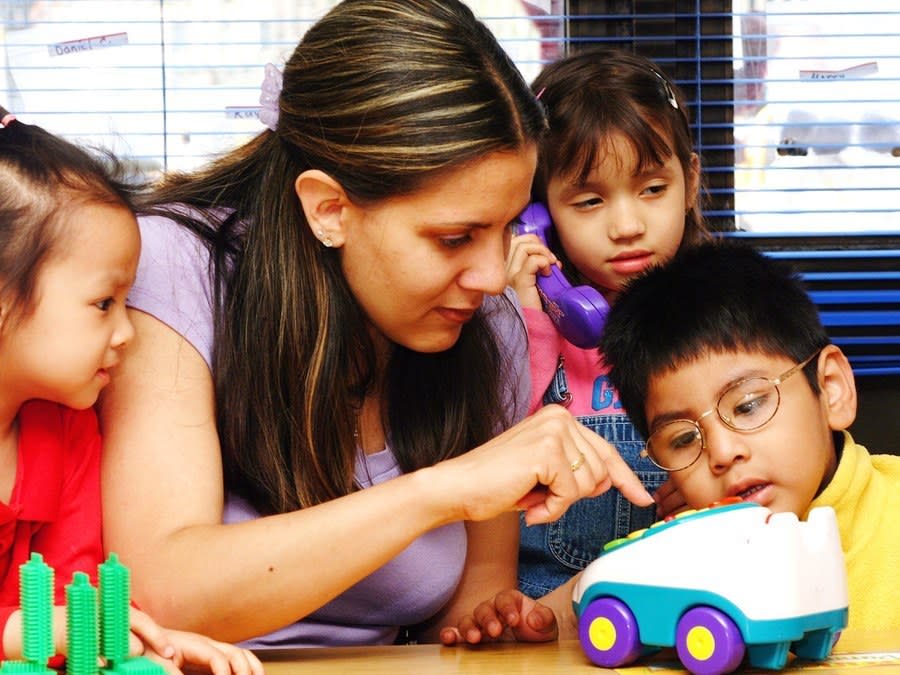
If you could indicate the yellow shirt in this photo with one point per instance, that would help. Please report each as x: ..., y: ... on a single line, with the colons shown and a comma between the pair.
x: 865, y: 494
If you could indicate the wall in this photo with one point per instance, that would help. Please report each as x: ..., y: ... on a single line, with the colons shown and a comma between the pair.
x: 877, y: 423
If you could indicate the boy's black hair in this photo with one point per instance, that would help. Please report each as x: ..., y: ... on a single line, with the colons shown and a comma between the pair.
x: 717, y: 297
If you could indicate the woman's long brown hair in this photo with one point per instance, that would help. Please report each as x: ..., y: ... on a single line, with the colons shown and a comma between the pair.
x: 384, y: 96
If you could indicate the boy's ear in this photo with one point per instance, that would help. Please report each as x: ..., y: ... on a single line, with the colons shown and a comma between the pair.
x: 324, y: 203
x: 838, y: 387
x: 4, y: 313
x: 692, y: 183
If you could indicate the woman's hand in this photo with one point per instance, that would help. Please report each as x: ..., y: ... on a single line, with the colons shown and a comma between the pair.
x: 527, y: 258
x: 509, y: 615
x: 175, y: 649
x: 540, y: 466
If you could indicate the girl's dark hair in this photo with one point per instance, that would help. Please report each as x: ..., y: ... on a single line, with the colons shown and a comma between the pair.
x: 604, y: 91
x: 385, y: 96
x: 718, y: 297
x: 42, y: 178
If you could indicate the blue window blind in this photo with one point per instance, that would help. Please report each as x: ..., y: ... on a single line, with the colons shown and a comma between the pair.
x: 856, y: 284
x: 795, y: 106
x: 796, y: 114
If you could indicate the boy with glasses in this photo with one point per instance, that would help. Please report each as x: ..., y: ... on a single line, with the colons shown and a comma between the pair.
x: 722, y: 363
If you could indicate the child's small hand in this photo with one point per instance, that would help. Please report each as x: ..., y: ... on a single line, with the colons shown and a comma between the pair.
x: 527, y: 258
x: 175, y: 649
x: 147, y: 635
x: 669, y: 500
x: 220, y: 658
x: 510, y: 614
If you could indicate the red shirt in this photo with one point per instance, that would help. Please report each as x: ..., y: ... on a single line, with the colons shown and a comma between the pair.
x: 54, y: 509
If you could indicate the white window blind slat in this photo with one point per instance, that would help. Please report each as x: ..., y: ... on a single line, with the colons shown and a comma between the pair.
x: 795, y: 107
x: 169, y: 83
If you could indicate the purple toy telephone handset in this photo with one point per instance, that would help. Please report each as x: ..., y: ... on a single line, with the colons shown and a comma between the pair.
x: 579, y: 312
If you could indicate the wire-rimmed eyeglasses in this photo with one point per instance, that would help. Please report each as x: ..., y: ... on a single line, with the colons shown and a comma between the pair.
x: 746, y: 405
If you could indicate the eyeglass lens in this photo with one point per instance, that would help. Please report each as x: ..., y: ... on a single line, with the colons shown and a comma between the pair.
x: 744, y: 407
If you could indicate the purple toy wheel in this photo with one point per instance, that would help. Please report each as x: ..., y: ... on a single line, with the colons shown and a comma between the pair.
x: 609, y: 633
x: 708, y: 642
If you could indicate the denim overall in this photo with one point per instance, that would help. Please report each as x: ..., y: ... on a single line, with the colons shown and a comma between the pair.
x: 551, y: 554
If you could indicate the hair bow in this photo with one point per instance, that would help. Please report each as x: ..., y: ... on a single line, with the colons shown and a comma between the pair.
x: 269, y: 95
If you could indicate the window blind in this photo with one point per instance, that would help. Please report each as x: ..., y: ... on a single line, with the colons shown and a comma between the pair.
x: 795, y: 107
x: 169, y: 83
x: 856, y: 284
x: 796, y: 114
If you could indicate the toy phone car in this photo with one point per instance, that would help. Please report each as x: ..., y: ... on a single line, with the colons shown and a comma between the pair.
x: 717, y: 584
x: 579, y: 312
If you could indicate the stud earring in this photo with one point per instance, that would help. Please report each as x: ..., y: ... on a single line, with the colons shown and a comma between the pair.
x: 325, y: 239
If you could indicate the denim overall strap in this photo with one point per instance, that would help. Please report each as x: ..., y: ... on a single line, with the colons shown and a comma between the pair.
x: 550, y: 554
x: 558, y: 391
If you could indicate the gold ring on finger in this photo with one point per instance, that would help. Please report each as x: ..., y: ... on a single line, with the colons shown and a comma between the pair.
x: 578, y: 462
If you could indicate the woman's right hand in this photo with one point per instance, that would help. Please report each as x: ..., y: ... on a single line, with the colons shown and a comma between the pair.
x: 528, y: 257
x: 540, y: 466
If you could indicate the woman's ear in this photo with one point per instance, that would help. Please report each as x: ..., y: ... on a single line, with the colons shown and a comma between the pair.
x: 324, y: 202
x: 838, y: 387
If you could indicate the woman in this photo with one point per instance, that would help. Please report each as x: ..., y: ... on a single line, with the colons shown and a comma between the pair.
x: 320, y: 349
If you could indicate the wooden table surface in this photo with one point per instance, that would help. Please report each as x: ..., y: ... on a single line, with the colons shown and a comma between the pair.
x: 856, y: 654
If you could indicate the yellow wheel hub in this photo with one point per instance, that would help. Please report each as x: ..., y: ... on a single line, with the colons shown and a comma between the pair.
x: 603, y: 634
x: 700, y: 643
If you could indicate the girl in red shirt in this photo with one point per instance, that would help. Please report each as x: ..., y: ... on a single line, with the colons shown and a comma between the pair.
x: 69, y: 246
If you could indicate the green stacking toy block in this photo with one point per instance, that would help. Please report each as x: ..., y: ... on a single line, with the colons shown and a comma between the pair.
x: 115, y: 591
x: 36, y: 601
x: 97, y: 623
x: 81, y: 626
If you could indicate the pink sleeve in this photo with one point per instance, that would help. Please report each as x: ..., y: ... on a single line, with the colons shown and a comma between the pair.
x: 544, y: 344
